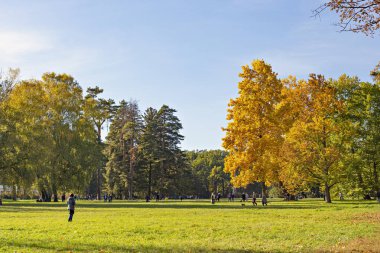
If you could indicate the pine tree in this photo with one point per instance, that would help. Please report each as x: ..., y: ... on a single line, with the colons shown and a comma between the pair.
x: 150, y: 150
x: 171, y: 158
x: 122, y: 151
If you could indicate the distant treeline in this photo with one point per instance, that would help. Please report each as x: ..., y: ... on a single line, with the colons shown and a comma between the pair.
x: 50, y: 143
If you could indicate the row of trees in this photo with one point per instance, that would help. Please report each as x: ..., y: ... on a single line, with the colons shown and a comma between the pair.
x: 143, y: 152
x: 51, y: 142
x: 144, y: 157
x: 304, y: 133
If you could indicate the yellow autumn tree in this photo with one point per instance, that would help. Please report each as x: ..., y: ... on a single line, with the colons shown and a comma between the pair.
x: 253, y: 134
x: 290, y: 110
x: 314, y: 143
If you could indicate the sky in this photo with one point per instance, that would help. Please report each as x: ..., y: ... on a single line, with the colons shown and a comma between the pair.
x: 185, y: 54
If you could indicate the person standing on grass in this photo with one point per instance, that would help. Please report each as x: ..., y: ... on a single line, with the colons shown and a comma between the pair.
x: 264, y: 200
x: 254, y: 199
x: 212, y: 198
x: 71, y: 206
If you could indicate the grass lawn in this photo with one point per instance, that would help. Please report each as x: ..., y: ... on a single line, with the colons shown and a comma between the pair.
x: 190, y: 226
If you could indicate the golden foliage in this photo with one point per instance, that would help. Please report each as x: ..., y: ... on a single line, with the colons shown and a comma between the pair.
x: 253, y: 134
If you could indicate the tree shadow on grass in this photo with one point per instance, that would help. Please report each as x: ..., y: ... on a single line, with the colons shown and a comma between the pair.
x: 53, y: 207
x: 41, y: 245
x: 275, y: 205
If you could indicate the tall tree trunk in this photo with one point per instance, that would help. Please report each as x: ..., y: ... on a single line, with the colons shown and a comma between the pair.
x: 129, y: 189
x: 98, y: 196
x: 55, y: 194
x: 376, y: 178
x: 327, y: 193
x: 263, y: 189
x: 98, y: 170
x: 150, y: 179
x: 223, y: 188
x: 131, y: 173
x: 46, y: 197
x: 14, y: 192
x: 43, y: 194
x: 358, y: 173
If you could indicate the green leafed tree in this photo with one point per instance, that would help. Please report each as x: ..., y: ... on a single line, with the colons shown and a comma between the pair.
x: 52, y: 139
x: 98, y: 111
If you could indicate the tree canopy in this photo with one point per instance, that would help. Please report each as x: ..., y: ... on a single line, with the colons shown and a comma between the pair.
x: 355, y: 15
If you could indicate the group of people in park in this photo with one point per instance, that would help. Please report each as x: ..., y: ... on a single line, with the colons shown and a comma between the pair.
x: 157, y: 197
x: 71, y: 202
x: 215, y: 197
x: 107, y: 197
x: 244, y: 198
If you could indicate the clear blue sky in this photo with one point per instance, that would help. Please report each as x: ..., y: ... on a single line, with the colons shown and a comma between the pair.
x: 186, y: 54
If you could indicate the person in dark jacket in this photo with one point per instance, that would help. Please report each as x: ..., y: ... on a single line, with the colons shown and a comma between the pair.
x: 264, y: 200
x: 71, y: 206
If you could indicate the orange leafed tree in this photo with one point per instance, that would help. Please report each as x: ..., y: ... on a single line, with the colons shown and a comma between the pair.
x: 253, y: 134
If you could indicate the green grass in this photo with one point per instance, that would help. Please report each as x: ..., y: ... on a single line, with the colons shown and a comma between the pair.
x: 189, y: 226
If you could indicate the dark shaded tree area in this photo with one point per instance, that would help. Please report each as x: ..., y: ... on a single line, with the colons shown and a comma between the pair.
x: 207, y: 168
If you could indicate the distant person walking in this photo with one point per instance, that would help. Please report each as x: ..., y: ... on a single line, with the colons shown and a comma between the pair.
x: 212, y: 198
x: 71, y: 206
x: 264, y: 200
x: 63, y: 197
x: 254, y: 199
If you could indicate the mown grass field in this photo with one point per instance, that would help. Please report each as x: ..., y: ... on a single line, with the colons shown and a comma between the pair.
x: 190, y: 226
